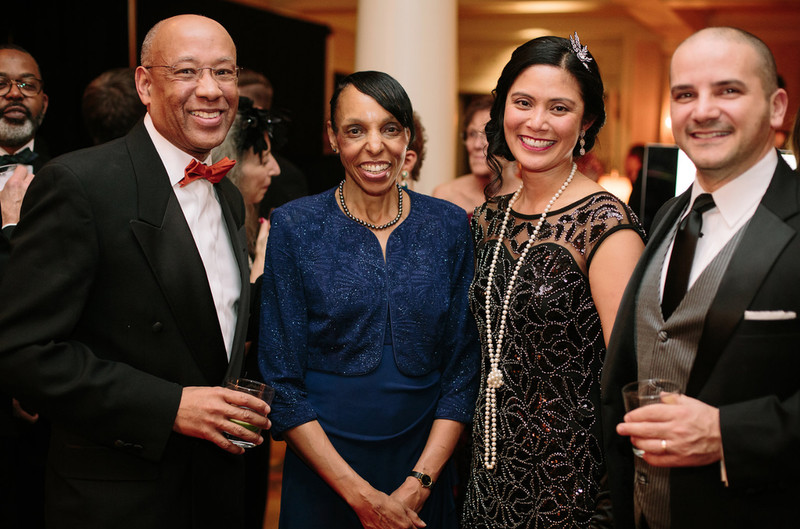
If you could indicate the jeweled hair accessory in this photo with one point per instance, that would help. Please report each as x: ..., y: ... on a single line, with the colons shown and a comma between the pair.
x: 581, y: 51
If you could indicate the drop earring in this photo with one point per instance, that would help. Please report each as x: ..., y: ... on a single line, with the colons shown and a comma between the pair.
x: 582, y: 143
x: 404, y: 179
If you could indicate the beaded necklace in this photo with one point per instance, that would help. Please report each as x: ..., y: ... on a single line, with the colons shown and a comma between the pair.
x: 368, y: 224
x: 495, y: 377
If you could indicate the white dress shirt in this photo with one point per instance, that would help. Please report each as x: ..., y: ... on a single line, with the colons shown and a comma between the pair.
x: 203, y: 213
x: 735, y: 203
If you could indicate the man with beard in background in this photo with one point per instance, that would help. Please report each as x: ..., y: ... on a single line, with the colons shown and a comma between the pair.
x: 23, y: 104
x: 23, y: 437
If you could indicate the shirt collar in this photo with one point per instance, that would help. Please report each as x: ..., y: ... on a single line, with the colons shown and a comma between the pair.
x: 28, y: 145
x: 740, y: 196
x: 174, y: 159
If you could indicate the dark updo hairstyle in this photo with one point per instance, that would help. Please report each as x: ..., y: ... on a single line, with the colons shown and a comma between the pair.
x: 553, y: 51
x: 384, y: 89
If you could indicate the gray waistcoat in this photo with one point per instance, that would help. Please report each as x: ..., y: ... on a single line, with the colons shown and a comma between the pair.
x: 667, y: 350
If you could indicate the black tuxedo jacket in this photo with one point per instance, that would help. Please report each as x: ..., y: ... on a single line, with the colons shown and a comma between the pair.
x: 746, y: 367
x: 106, y: 315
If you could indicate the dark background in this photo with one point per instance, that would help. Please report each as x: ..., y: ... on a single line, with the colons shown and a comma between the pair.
x: 74, y: 42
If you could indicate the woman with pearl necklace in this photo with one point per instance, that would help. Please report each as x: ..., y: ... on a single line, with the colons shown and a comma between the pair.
x: 552, y: 261
x: 366, y: 333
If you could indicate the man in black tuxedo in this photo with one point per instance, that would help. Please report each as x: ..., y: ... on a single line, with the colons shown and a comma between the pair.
x: 23, y: 105
x: 130, y: 289
x: 23, y: 436
x: 725, y: 453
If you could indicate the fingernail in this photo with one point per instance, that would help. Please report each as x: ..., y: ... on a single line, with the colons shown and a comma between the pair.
x: 261, y: 220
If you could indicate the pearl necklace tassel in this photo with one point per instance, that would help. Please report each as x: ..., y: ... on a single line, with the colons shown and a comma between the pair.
x: 494, y: 379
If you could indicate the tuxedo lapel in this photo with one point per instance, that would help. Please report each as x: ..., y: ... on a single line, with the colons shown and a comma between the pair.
x: 764, y: 239
x: 167, y: 242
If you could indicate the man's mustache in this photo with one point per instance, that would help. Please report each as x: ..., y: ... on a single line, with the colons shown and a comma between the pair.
x: 17, y: 107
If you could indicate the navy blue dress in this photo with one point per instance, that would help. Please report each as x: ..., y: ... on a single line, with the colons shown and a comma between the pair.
x: 375, y: 350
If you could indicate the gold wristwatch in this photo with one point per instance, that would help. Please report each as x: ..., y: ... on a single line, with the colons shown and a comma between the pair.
x: 424, y: 479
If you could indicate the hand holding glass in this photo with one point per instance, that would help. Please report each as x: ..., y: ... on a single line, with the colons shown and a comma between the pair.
x: 256, y: 389
x: 646, y: 392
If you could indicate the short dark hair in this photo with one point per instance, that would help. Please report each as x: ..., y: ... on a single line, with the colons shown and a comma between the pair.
x: 767, y: 70
x: 385, y: 90
x: 553, y: 51
x: 249, y: 77
x: 16, y: 47
x: 111, y: 105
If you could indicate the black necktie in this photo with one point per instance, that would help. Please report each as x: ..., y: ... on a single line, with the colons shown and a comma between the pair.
x: 23, y: 157
x: 680, y: 263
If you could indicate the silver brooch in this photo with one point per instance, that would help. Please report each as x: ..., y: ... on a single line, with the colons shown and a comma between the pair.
x: 581, y: 51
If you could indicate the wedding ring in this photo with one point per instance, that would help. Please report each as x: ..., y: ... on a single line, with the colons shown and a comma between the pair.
x: 664, y: 445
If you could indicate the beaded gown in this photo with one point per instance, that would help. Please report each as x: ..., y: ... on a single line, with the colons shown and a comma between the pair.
x: 549, y: 445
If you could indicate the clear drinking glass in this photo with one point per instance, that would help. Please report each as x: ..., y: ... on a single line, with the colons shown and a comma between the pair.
x: 646, y: 392
x: 256, y: 389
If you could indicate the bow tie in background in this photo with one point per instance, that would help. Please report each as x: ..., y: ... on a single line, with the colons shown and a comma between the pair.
x: 23, y: 157
x: 213, y: 173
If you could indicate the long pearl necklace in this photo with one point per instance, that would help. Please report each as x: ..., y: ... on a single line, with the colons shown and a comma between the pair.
x: 369, y: 224
x: 495, y: 377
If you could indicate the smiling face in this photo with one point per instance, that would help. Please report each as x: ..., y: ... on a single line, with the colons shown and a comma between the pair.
x: 193, y: 115
x: 257, y: 171
x: 372, y: 142
x: 543, y: 118
x: 721, y: 115
x: 20, y: 116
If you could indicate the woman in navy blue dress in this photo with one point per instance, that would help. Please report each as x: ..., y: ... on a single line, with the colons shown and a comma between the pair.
x: 366, y: 334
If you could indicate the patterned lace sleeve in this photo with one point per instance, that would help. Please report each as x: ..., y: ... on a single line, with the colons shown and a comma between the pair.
x: 606, y: 215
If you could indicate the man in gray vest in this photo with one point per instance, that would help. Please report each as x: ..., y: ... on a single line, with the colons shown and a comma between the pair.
x: 713, y: 306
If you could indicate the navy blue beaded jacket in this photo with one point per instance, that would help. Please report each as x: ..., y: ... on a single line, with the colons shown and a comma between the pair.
x: 327, y: 290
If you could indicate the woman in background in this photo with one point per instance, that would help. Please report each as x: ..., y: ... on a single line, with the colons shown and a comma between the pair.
x: 249, y: 143
x: 468, y: 191
x: 366, y: 333
x: 552, y: 261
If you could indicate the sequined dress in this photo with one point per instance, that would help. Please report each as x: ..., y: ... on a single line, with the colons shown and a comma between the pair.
x: 549, y: 446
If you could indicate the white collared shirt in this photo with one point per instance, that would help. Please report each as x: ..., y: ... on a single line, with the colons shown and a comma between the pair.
x: 203, y: 213
x: 735, y: 203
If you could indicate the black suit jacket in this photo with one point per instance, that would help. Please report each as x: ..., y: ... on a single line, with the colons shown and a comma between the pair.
x: 109, y: 316
x: 748, y: 369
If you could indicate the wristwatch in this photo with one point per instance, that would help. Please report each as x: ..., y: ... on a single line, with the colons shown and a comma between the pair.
x: 424, y: 479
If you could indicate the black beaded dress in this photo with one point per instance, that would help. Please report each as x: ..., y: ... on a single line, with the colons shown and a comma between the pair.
x: 549, y: 446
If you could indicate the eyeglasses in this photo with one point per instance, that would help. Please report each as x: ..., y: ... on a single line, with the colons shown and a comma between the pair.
x: 225, y: 74
x: 29, y: 87
x: 473, y: 135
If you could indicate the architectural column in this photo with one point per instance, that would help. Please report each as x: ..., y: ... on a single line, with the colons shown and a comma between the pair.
x: 415, y: 41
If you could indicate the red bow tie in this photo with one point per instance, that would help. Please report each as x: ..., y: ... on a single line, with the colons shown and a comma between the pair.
x: 213, y: 173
